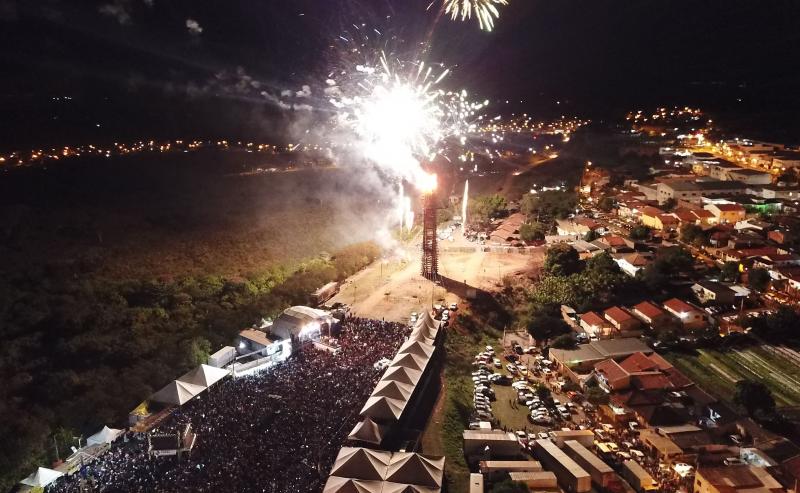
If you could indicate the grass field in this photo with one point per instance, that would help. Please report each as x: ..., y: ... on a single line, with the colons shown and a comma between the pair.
x: 717, y: 372
x: 444, y: 434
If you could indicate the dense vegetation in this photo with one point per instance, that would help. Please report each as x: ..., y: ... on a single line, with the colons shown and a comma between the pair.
x: 80, y: 353
x: 116, y: 276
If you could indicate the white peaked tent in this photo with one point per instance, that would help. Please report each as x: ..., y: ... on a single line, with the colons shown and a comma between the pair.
x: 204, y: 376
x: 368, y: 431
x: 427, y: 322
x: 106, y: 435
x: 404, y: 375
x: 383, y: 409
x: 417, y: 348
x: 177, y: 392
x: 42, y: 477
x: 361, y: 463
x: 411, y: 361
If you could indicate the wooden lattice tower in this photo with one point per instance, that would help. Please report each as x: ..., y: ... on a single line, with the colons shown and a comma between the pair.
x: 430, y: 250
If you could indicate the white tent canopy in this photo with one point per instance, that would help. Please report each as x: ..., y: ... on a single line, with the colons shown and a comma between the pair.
x: 42, y: 477
x: 204, y: 376
x: 177, y: 392
x: 106, y: 435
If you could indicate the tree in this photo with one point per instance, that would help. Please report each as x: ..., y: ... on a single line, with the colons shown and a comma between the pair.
x: 730, y: 271
x: 591, y: 235
x: 509, y: 486
x: 675, y: 259
x: 532, y: 231
x: 690, y: 232
x: 484, y: 208
x: 597, y: 396
x: 549, y: 204
x: 544, y: 326
x: 606, y: 204
x: 197, y: 351
x: 669, y: 204
x: 778, y: 327
x: 552, y: 291
x: 602, y: 264
x: 565, y: 341
x: 561, y: 260
x: 754, y: 397
x: 543, y: 392
x: 640, y: 232
x: 758, y: 279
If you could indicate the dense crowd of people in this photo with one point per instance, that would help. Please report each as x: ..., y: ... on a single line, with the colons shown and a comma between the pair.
x: 278, y: 430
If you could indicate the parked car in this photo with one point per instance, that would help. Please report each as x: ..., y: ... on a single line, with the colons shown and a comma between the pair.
x: 497, y: 363
x: 503, y: 380
x: 512, y: 368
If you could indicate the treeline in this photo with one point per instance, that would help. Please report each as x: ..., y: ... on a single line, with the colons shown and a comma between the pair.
x: 81, y: 352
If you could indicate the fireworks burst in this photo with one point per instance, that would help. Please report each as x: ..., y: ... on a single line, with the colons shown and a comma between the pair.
x: 401, y: 117
x: 485, y: 11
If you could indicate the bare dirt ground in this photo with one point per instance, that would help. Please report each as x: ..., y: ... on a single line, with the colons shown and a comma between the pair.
x: 391, y: 289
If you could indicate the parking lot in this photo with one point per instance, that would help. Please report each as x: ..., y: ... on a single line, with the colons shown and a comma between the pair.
x: 520, y: 393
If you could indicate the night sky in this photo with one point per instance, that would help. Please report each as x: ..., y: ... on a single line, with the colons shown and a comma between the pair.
x: 140, y: 68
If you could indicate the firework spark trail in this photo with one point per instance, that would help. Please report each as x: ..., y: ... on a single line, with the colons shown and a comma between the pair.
x: 485, y: 11
x: 400, y: 116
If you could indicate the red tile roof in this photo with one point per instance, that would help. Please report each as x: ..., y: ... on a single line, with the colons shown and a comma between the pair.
x: 729, y: 207
x: 617, y: 314
x: 678, y: 306
x: 667, y: 219
x: 592, y: 318
x: 612, y: 372
x: 651, y: 211
x: 652, y: 381
x: 614, y: 241
x: 638, y: 362
x: 649, y: 310
x: 660, y: 362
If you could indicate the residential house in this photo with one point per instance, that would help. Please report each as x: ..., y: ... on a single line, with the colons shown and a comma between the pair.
x: 578, y: 363
x: 781, y: 236
x: 623, y: 321
x: 696, y: 216
x: 776, y: 260
x: 740, y: 478
x: 577, y: 227
x: 787, y: 280
x: 594, y: 325
x: 695, y: 190
x: 726, y: 213
x: 650, y: 216
x: 710, y: 292
x: 614, y: 244
x: 631, y: 263
x: 783, y: 160
x: 651, y: 314
x: 653, y: 217
x: 776, y: 192
x: 740, y: 255
x: 750, y: 176
x: 690, y: 317
x: 640, y: 371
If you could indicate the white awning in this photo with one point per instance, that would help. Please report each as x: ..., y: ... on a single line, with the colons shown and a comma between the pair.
x: 106, y: 435
x: 42, y: 477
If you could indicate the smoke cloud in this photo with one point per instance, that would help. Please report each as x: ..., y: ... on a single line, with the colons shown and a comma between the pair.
x: 119, y: 10
x: 194, y: 27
